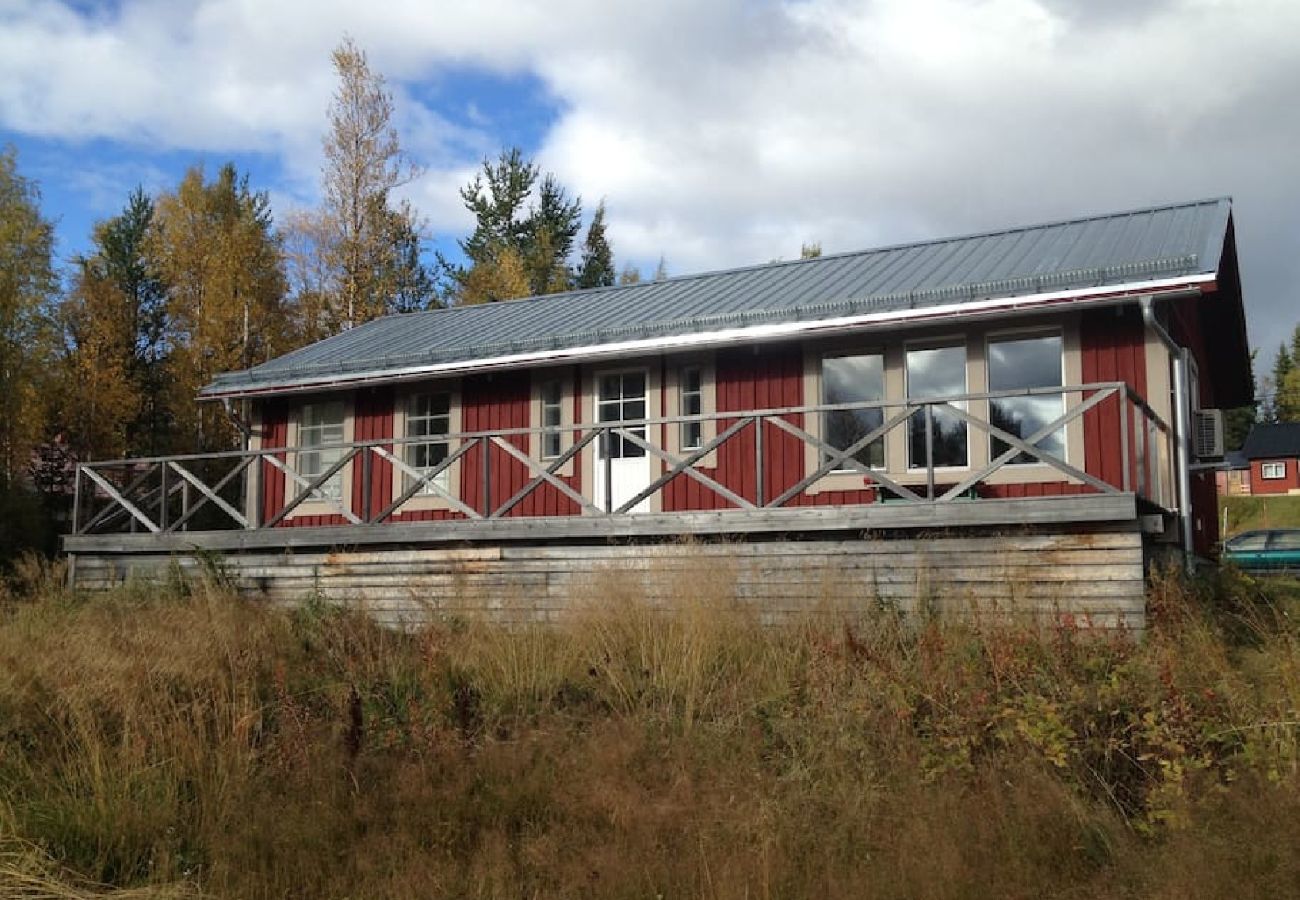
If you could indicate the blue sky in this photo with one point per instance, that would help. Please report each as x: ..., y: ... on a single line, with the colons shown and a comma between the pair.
x: 720, y: 132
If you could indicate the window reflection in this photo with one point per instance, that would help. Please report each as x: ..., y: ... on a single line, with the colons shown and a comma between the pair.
x: 854, y: 379
x: 1026, y: 363
x: 937, y: 372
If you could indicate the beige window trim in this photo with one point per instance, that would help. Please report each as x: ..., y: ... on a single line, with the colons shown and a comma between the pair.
x: 311, y: 507
x: 975, y: 343
x: 401, y: 403
x: 654, y: 402
x: 540, y: 378
x: 672, y: 440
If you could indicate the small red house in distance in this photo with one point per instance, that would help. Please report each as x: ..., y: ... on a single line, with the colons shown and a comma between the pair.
x: 1274, y: 455
x: 1008, y: 416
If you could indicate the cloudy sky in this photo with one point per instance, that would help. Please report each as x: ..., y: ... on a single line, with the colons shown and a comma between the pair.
x: 720, y: 132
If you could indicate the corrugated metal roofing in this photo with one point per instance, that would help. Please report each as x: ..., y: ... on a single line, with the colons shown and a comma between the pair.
x: 1272, y: 441
x: 1163, y: 242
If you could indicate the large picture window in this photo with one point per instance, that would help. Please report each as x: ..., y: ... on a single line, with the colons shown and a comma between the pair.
x: 1272, y: 470
x: 854, y: 379
x: 320, y: 436
x: 937, y: 372
x: 428, y: 423
x: 1026, y: 363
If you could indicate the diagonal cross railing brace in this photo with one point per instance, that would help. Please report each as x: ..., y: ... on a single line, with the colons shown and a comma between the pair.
x: 420, y: 479
x: 210, y: 493
x: 686, y: 466
x: 125, y: 503
x: 312, y: 489
x: 835, y: 457
x: 541, y: 471
x: 548, y: 476
x: 1003, y: 458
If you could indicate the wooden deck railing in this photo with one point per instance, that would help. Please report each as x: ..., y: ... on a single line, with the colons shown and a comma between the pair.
x: 1128, y: 448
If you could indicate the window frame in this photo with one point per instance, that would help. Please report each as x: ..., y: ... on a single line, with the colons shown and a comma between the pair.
x: 450, y: 480
x: 313, y: 506
x: 697, y: 422
x: 443, y: 479
x: 937, y: 342
x: 1029, y: 333
x: 1277, y: 466
x: 883, y: 400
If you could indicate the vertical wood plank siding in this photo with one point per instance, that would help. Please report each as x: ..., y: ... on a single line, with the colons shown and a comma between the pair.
x: 769, y: 376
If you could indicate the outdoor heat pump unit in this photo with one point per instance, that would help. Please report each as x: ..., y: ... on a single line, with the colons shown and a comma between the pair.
x: 1208, y: 433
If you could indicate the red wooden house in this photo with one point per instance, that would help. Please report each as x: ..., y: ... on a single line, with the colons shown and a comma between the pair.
x: 998, y: 413
x: 1273, y: 452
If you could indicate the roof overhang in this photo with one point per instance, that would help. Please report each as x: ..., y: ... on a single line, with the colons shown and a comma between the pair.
x: 966, y: 311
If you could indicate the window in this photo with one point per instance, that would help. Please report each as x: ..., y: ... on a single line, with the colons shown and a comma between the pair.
x: 1285, y: 540
x: 552, y: 403
x: 1273, y: 470
x: 621, y: 397
x: 691, y: 403
x: 320, y: 439
x: 428, y: 416
x: 854, y: 379
x: 1026, y: 363
x: 937, y: 372
x: 1253, y: 540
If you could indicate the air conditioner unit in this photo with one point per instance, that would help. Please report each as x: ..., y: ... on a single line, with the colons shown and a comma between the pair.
x: 1207, y: 433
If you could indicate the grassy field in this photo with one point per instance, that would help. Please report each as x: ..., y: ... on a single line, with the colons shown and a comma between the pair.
x: 1247, y: 513
x: 182, y: 743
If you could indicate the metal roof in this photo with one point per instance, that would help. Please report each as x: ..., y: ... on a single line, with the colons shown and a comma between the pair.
x: 1272, y: 441
x: 1098, y: 252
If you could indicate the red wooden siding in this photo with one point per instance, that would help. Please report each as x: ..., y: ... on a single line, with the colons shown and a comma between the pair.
x: 372, y: 421
x: 1113, y: 347
x: 1261, y: 485
x: 275, y: 433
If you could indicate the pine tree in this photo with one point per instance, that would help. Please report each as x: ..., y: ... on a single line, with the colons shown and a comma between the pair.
x: 513, y: 229
x: 661, y: 270
x: 597, y: 269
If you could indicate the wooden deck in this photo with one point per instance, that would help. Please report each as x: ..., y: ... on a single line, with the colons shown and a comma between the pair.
x: 906, y: 536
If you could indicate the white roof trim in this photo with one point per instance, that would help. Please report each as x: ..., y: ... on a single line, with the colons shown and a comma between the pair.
x: 757, y: 333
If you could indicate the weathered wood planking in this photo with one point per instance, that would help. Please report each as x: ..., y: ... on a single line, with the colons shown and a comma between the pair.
x: 1099, y: 575
x: 991, y: 513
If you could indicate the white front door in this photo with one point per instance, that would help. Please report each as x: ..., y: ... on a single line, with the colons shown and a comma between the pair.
x: 621, y: 397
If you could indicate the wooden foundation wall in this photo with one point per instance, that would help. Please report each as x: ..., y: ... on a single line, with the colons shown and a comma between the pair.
x: 1096, y: 577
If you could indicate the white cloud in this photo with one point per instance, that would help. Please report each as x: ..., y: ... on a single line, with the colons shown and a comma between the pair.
x: 730, y: 132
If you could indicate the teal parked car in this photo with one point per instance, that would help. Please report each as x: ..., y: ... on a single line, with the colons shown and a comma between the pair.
x: 1276, y: 549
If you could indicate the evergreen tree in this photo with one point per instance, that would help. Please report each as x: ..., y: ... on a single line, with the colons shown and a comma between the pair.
x: 514, y: 231
x: 597, y: 269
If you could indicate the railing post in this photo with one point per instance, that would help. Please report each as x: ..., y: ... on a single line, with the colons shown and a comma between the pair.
x: 929, y: 451
x: 487, y: 476
x: 76, y: 499
x: 365, y: 484
x: 1125, y: 410
x: 255, y: 476
x: 162, y: 499
x: 185, y: 505
x: 1140, y: 454
x: 609, y: 471
x: 758, y: 462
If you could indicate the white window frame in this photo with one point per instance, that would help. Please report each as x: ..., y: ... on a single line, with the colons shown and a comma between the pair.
x: 314, y: 506
x: 684, y: 441
x: 994, y: 337
x: 449, y: 478
x: 1278, y: 470
x: 443, y: 478
x: 536, y: 416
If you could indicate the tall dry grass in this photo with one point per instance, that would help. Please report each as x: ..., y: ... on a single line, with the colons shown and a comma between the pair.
x: 178, y: 741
